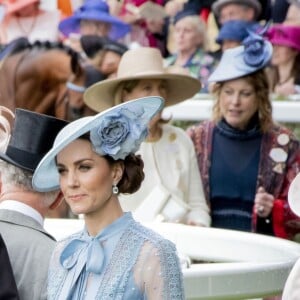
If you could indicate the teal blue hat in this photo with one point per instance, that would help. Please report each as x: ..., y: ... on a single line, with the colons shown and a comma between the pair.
x: 115, y: 132
x: 254, y: 54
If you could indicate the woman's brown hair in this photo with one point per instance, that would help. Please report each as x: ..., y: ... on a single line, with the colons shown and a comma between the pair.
x: 260, y: 84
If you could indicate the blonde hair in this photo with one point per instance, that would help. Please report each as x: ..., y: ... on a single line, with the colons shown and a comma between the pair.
x: 200, y: 27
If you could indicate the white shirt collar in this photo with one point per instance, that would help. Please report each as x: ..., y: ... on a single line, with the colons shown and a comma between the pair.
x: 22, y: 208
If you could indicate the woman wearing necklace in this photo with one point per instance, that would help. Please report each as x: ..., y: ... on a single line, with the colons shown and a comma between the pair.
x: 25, y: 18
x: 246, y: 160
x: 285, y: 63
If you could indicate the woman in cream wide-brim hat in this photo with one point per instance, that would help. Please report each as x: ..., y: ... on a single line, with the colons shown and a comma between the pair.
x: 139, y: 64
x: 172, y: 189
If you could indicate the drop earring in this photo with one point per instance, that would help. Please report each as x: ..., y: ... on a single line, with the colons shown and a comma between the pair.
x: 115, y: 189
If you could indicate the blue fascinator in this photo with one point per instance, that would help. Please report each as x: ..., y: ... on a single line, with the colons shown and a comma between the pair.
x: 115, y: 132
x: 254, y: 54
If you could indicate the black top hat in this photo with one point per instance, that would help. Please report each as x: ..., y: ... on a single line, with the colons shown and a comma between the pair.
x: 32, y: 137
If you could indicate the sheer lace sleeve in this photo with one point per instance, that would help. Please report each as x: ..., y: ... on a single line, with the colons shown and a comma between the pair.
x: 158, y: 273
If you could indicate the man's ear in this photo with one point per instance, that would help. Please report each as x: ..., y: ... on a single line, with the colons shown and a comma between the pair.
x: 58, y: 200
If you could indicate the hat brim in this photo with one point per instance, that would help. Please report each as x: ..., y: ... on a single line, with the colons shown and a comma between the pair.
x: 118, y: 28
x: 294, y: 195
x: 46, y: 176
x: 12, y: 8
x: 100, y: 96
x: 217, y: 5
x: 6, y: 158
x: 232, y: 65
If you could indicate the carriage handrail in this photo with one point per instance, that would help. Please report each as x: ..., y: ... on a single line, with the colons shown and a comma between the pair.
x: 199, y: 108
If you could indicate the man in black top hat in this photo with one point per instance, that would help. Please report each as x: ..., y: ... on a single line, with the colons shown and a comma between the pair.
x: 22, y: 210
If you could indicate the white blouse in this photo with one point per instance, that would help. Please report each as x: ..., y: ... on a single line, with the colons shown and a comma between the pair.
x: 172, y: 189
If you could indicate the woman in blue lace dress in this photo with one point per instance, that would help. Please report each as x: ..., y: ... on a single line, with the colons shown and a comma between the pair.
x: 113, y: 257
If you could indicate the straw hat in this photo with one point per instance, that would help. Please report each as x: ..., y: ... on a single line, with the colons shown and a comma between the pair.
x: 13, y: 6
x: 115, y: 132
x: 136, y: 64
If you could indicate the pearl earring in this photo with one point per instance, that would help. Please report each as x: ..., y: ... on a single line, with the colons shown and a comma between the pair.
x: 115, y: 189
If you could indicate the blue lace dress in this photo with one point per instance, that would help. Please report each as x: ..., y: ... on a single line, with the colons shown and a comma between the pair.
x: 124, y: 261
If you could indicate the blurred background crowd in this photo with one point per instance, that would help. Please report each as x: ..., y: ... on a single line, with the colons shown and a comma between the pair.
x: 190, y: 34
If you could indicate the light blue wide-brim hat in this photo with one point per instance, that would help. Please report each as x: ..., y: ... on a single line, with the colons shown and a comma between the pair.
x: 253, y: 55
x: 105, y: 129
x: 94, y: 10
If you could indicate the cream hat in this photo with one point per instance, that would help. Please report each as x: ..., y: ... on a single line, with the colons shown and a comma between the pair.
x: 136, y: 64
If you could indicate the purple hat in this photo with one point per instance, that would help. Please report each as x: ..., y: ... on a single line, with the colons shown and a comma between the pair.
x: 254, y: 54
x: 285, y: 35
x: 94, y: 10
x: 236, y: 30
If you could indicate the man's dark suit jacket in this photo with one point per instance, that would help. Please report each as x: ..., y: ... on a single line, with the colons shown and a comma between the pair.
x: 8, y: 288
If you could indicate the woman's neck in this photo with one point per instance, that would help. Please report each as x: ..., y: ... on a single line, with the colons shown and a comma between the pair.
x: 285, y: 72
x: 154, y: 133
x: 98, y: 220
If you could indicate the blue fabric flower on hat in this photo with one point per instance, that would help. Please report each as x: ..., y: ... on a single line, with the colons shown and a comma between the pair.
x: 120, y: 133
x: 255, y: 53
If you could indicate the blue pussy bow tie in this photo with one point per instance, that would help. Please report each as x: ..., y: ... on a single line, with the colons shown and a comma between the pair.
x: 86, y: 251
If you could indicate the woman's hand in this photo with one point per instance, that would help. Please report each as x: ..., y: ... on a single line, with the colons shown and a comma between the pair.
x: 263, y: 203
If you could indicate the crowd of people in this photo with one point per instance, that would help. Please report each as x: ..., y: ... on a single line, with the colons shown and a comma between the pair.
x: 119, y: 161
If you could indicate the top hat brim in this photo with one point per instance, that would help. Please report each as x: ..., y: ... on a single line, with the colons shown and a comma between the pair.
x: 46, y: 176
x: 118, y: 28
x: 6, y: 158
x: 100, y: 96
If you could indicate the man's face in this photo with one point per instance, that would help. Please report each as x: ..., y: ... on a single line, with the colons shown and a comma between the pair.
x: 236, y: 12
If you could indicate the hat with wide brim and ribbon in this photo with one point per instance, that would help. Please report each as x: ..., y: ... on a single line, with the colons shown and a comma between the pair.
x: 94, y: 10
x: 46, y: 176
x: 137, y: 64
x: 12, y: 6
x: 219, y: 4
x: 285, y: 35
x: 254, y: 55
x: 31, y: 138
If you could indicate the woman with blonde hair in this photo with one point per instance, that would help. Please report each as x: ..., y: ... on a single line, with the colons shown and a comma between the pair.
x: 191, y: 46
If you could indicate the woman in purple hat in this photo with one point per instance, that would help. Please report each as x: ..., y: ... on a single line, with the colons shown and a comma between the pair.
x: 93, y: 17
x: 246, y: 160
x: 285, y: 70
